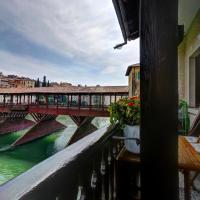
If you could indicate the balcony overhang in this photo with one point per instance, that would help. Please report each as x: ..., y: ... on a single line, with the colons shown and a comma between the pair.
x: 127, y: 12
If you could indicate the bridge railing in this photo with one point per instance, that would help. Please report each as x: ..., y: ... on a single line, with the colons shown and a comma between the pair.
x: 84, y: 170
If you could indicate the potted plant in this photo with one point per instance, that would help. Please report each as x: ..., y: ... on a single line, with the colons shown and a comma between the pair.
x: 126, y: 112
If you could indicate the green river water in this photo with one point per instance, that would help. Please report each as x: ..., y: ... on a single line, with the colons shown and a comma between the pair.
x: 15, y: 161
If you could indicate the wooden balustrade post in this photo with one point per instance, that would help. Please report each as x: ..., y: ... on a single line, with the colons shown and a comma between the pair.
x: 114, y: 192
x: 109, y: 159
x: 81, y: 193
x: 94, y: 184
x: 103, y: 172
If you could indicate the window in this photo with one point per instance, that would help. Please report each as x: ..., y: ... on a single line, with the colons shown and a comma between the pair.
x: 194, y: 80
x: 197, y: 80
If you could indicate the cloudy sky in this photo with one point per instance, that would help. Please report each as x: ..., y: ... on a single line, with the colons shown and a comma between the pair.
x: 65, y: 40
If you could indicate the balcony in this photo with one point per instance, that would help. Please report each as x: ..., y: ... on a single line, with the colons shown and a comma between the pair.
x: 86, y: 169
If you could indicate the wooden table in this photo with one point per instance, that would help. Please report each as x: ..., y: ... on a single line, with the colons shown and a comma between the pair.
x: 188, y: 160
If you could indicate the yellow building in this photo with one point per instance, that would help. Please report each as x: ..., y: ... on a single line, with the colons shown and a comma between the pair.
x: 24, y: 82
x: 133, y: 73
x: 189, y: 63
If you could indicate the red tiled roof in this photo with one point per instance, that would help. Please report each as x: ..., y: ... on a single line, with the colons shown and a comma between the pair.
x: 70, y: 89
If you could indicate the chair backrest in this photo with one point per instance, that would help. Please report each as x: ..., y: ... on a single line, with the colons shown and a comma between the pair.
x: 195, y: 128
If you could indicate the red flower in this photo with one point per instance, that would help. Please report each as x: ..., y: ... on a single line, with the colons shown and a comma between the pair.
x: 134, y: 98
x: 131, y: 104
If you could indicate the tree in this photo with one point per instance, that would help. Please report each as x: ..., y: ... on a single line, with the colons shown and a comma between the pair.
x: 44, y: 83
x: 48, y: 84
x: 37, y: 83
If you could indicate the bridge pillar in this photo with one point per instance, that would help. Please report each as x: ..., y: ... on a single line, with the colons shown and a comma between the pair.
x: 40, y: 129
x: 83, y: 130
x: 78, y: 120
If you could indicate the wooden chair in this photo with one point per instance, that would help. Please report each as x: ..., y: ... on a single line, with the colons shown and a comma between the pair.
x: 195, y: 128
x: 195, y: 131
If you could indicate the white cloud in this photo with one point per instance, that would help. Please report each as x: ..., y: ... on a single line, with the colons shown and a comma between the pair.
x: 36, y: 68
x: 85, y: 31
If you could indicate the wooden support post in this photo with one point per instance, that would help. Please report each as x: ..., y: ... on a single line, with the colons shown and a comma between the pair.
x: 159, y: 99
x: 47, y: 102
x: 53, y: 99
x: 4, y: 100
x: 68, y: 100
x: 57, y: 102
x: 102, y: 102
x: 28, y: 99
x: 79, y: 102
x: 11, y: 99
x: 20, y: 99
x: 38, y: 99
x: 90, y: 101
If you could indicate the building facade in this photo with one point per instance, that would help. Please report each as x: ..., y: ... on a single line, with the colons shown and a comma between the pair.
x: 189, y: 65
x: 23, y: 82
x: 133, y: 73
x: 4, y: 83
x: 15, y: 81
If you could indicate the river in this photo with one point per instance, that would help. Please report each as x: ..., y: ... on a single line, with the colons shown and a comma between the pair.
x: 16, y: 161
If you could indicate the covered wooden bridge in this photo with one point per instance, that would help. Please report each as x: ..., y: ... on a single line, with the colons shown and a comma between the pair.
x: 73, y: 100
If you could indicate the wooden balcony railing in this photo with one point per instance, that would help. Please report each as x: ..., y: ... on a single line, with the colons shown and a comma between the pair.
x: 84, y: 170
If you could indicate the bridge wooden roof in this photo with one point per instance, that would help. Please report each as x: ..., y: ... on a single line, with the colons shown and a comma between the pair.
x: 63, y: 90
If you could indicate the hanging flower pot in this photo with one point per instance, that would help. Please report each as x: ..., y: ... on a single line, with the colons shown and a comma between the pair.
x: 131, y: 138
x: 126, y: 112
